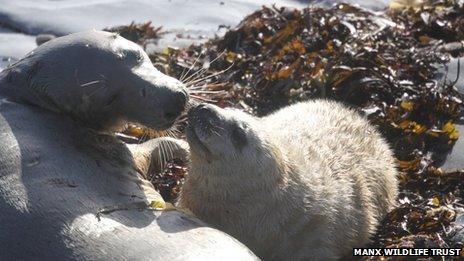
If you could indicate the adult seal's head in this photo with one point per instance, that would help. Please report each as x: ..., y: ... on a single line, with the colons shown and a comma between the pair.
x: 96, y: 77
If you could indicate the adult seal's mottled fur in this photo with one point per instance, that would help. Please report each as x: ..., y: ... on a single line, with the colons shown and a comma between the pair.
x: 308, y: 182
x: 69, y: 190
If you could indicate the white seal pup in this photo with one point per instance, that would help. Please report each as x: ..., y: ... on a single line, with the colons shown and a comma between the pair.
x: 308, y: 182
x: 69, y: 189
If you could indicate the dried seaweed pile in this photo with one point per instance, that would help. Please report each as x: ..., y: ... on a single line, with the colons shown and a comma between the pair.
x: 429, y: 24
x: 170, y: 180
x: 384, y: 65
x: 138, y: 33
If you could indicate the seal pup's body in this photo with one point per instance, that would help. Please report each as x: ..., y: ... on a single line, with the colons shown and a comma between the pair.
x: 310, y: 181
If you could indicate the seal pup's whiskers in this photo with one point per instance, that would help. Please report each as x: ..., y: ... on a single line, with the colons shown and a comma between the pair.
x: 159, y: 160
x: 161, y: 154
x: 170, y: 151
x: 215, y: 132
x: 192, y: 82
x: 217, y: 129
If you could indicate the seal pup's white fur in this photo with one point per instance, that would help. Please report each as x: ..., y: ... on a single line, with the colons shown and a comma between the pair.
x: 310, y: 181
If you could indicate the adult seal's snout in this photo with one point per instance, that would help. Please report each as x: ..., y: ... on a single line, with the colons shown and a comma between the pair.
x: 174, y: 107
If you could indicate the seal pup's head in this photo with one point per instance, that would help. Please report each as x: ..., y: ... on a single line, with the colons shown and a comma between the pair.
x: 99, y: 78
x: 228, y: 143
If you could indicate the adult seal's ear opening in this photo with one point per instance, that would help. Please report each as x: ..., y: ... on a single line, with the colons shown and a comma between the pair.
x: 98, y: 78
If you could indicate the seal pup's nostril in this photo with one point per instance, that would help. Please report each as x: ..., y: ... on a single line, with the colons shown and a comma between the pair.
x: 202, y: 107
x: 195, y: 110
x: 202, y: 111
x: 205, y: 109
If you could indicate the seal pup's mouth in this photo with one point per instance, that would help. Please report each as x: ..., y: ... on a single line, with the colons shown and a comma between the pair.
x: 196, y: 145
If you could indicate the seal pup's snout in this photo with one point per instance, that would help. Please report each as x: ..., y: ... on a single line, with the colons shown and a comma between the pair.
x: 201, y: 125
x: 202, y: 110
x: 203, y: 116
x: 204, y: 120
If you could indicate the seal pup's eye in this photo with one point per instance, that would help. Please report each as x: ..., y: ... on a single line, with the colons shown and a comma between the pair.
x: 239, y: 138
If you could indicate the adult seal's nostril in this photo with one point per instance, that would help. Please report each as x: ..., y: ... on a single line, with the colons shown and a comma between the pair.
x: 176, y: 105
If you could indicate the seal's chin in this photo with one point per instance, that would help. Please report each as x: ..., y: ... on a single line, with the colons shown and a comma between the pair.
x: 196, y: 145
x: 154, y: 122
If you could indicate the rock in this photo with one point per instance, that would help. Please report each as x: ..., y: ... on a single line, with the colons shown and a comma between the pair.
x: 43, y: 38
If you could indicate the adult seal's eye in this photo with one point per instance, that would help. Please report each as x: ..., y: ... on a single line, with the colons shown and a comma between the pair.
x: 138, y: 56
x: 238, y: 138
x: 132, y: 56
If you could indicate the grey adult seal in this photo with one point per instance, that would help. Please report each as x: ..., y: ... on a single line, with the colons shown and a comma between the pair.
x: 69, y: 190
